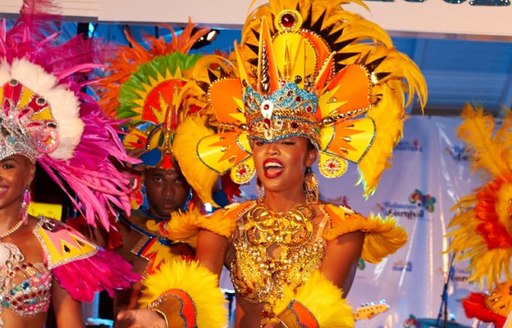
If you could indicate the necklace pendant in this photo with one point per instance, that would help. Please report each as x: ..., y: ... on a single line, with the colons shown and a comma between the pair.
x: 9, y: 253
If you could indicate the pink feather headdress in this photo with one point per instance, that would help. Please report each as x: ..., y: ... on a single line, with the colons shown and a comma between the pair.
x: 46, y: 115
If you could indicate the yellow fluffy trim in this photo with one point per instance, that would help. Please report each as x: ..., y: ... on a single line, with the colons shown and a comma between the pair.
x: 199, y: 283
x: 223, y: 221
x: 487, y: 267
x: 383, y: 235
x: 184, y: 227
x: 323, y: 300
x: 200, y: 177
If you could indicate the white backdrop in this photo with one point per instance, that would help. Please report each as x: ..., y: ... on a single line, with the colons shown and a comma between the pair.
x: 430, y: 172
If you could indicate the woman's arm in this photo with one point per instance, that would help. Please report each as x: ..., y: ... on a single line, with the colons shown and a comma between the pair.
x: 340, y: 262
x: 68, y: 312
x: 211, y: 250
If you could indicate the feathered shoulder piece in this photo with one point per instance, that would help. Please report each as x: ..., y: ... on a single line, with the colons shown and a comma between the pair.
x: 310, y: 68
x: 46, y: 116
x: 481, y: 228
x: 81, y: 267
x: 383, y: 236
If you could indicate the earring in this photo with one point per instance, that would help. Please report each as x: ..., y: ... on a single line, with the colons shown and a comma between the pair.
x: 260, y: 189
x: 311, y: 186
x: 24, y: 206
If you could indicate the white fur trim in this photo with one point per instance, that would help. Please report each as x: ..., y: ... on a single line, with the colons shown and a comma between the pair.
x: 64, y: 104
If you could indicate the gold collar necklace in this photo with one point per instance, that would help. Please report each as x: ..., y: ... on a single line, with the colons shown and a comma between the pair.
x: 291, y: 228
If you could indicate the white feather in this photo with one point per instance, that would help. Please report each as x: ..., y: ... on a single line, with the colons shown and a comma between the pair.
x: 64, y: 104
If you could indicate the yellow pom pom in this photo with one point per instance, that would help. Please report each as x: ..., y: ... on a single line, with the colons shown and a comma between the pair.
x: 191, y: 278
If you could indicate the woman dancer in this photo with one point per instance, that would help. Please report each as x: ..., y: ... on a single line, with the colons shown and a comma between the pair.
x: 315, y: 83
x: 45, y: 118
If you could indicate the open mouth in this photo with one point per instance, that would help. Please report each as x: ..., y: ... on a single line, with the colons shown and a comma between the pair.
x: 272, y: 168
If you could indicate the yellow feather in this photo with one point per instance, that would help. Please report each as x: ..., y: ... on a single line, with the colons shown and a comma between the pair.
x: 201, y: 178
x: 182, y: 227
x: 383, y: 235
x: 476, y: 131
x: 195, y: 280
x: 389, y: 114
x: 324, y: 301
x: 486, y: 266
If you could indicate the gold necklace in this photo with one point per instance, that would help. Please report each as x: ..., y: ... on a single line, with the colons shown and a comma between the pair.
x: 12, y: 230
x: 291, y: 228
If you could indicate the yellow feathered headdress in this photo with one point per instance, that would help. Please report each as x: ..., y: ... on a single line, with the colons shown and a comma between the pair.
x: 482, y: 227
x: 312, y: 69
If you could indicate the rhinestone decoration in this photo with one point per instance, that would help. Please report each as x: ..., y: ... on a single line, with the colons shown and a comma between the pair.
x: 288, y: 20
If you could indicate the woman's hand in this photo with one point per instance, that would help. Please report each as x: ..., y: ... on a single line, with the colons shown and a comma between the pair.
x: 140, y: 318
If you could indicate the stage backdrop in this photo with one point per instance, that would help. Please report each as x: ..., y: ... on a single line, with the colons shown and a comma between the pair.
x: 430, y: 173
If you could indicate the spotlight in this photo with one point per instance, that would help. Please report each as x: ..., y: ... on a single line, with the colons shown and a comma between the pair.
x: 206, y: 39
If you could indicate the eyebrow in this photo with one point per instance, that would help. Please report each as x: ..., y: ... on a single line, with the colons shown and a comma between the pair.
x: 8, y: 160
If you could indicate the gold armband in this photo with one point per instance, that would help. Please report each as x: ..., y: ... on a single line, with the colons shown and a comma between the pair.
x: 297, y: 315
x: 177, y: 307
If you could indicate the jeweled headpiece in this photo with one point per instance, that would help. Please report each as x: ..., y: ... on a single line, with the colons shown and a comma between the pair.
x: 45, y: 115
x: 154, y: 86
x: 312, y: 69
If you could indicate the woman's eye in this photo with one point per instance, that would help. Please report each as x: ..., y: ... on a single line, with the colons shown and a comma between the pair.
x: 157, y: 179
x: 7, y: 166
x: 259, y: 143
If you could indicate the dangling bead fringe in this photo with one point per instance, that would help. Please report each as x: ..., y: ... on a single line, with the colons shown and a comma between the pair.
x: 260, y: 189
x: 311, y: 187
x: 24, y: 206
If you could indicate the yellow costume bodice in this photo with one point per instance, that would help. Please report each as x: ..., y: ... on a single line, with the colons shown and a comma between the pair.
x: 274, y: 250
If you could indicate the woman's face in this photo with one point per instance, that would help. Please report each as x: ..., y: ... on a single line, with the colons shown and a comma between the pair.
x: 16, y: 174
x: 281, y: 165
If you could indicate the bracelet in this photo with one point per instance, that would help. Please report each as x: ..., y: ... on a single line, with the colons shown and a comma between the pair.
x: 162, y: 315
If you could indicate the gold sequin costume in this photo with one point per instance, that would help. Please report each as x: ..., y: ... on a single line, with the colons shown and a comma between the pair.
x: 260, y: 277
x: 273, y: 250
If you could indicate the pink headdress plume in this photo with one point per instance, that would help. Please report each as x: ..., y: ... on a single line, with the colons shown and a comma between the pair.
x: 47, y: 116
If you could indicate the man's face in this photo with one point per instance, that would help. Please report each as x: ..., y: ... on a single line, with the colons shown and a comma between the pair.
x: 166, y: 190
